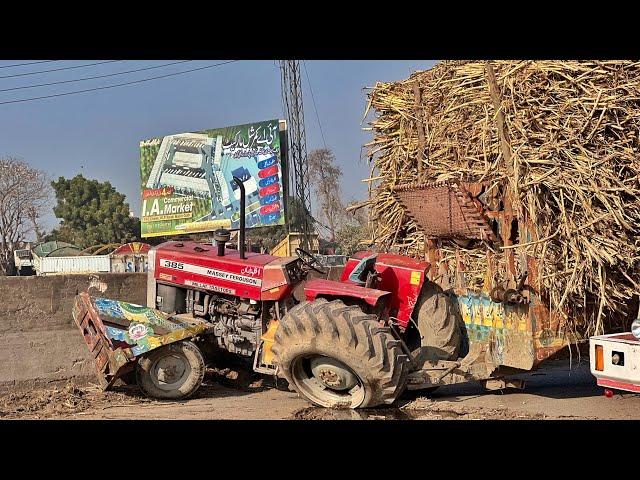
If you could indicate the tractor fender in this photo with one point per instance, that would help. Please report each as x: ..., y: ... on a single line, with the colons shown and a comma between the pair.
x: 329, y: 288
x: 403, y: 276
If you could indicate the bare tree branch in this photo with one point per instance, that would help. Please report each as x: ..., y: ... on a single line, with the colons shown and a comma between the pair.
x: 324, y: 176
x: 24, y: 197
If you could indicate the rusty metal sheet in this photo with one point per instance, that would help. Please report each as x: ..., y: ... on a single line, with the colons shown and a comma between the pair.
x: 444, y: 210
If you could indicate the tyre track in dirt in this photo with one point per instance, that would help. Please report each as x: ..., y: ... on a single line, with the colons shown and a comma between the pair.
x: 554, y: 392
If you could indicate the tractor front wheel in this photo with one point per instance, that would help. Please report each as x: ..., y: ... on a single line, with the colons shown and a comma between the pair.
x: 337, y: 356
x: 173, y: 371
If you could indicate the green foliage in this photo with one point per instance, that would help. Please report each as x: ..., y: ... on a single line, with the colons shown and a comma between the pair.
x: 92, y: 213
x: 351, y: 238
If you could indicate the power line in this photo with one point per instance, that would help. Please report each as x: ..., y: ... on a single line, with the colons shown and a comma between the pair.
x: 115, y: 85
x: 92, y: 78
x: 304, y: 63
x: 59, y: 69
x: 27, y: 63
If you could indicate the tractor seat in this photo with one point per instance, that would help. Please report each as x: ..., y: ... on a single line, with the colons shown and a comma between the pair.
x: 363, y: 268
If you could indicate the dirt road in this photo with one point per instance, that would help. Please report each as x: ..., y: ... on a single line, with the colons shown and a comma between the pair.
x: 553, y: 392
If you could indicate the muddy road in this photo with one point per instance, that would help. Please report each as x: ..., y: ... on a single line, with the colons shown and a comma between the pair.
x: 556, y: 391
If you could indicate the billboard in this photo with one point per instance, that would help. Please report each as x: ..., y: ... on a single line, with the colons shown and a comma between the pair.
x: 187, y: 179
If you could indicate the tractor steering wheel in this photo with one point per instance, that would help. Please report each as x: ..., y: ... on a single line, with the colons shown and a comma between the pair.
x: 309, y: 260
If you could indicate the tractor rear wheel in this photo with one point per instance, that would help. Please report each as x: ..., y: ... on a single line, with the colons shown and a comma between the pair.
x: 438, y: 325
x: 173, y: 371
x: 337, y: 356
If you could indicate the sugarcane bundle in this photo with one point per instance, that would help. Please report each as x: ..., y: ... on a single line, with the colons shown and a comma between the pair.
x: 561, y: 138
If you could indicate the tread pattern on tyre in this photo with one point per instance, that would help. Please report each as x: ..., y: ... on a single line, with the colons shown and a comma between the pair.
x: 330, y: 327
x: 187, y: 389
x: 438, y: 325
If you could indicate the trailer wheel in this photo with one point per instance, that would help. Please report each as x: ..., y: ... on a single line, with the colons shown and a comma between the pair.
x: 173, y: 371
x: 339, y: 357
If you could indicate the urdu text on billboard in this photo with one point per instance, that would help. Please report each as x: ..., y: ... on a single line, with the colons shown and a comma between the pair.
x: 187, y: 179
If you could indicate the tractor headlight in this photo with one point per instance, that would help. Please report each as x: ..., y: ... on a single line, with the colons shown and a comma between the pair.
x: 635, y: 328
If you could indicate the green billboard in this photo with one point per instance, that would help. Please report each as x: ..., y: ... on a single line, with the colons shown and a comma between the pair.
x: 187, y: 179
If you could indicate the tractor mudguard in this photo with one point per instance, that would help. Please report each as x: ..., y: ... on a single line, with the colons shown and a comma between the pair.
x: 401, y: 275
x: 117, y: 333
x: 328, y: 288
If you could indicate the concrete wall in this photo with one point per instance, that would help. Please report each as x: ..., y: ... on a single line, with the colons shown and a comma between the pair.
x: 39, y: 343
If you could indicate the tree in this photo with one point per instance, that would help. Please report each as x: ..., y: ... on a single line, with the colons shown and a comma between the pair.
x: 349, y: 239
x: 92, y: 213
x: 24, y: 195
x: 355, y: 233
x: 324, y: 177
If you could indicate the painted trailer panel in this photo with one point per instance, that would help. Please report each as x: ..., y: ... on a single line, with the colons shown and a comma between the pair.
x: 118, y: 333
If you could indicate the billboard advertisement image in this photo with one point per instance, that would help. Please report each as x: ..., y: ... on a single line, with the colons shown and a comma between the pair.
x: 187, y: 179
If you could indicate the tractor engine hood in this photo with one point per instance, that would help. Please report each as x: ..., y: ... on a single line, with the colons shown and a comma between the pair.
x: 197, y: 265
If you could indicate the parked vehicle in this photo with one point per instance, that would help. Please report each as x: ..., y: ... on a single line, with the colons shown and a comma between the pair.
x: 615, y: 360
x: 23, y: 260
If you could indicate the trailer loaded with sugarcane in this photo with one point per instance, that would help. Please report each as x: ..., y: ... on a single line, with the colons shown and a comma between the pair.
x: 503, y: 210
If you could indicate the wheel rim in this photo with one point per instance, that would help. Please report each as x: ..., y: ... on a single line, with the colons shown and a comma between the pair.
x: 328, y: 381
x: 170, y: 371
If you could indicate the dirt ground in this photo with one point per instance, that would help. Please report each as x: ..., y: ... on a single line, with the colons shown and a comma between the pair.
x: 555, y: 391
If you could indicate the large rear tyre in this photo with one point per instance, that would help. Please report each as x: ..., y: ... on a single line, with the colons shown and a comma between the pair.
x: 438, y: 325
x: 173, y: 371
x: 337, y: 356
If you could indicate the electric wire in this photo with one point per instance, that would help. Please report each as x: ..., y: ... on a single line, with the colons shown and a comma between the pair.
x: 116, y: 85
x: 304, y: 63
x: 22, y: 87
x: 27, y: 63
x: 84, y: 65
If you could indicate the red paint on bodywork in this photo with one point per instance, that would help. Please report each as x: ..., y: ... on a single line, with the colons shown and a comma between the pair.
x: 395, y: 273
x: 630, y: 387
x: 275, y: 282
x: 319, y: 287
x: 189, y: 254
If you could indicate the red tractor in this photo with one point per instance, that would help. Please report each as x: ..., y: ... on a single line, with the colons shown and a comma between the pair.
x: 354, y: 343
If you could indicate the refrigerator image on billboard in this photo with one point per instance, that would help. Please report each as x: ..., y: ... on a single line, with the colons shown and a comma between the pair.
x: 187, y: 179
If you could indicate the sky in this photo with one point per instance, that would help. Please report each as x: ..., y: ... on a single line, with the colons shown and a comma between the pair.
x: 97, y: 133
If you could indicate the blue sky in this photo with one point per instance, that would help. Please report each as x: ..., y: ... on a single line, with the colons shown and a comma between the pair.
x: 97, y: 133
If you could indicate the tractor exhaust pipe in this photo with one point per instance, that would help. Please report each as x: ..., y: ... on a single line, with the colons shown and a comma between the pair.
x: 242, y: 219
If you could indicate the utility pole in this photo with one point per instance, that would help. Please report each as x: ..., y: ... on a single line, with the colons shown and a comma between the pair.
x: 291, y: 85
